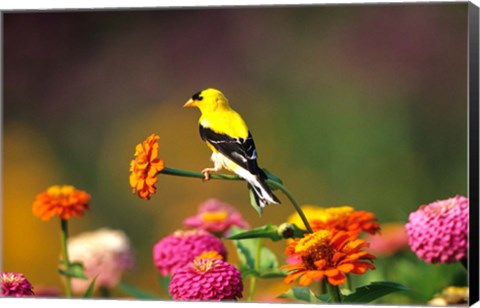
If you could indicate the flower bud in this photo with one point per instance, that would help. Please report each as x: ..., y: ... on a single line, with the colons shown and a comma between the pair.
x: 286, y: 230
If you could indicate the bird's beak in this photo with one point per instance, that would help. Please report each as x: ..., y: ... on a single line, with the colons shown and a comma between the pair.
x: 190, y: 103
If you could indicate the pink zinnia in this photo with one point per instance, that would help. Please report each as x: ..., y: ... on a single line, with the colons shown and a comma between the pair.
x: 206, y: 279
x: 438, y: 232
x: 216, y: 217
x: 391, y: 239
x: 180, y: 248
x: 15, y: 284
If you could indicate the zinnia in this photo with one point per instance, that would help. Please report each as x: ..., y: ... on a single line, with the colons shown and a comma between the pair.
x: 451, y: 296
x: 438, y: 232
x: 64, y: 201
x: 145, y: 167
x: 327, y: 254
x: 338, y: 218
x: 216, y: 217
x: 206, y: 279
x: 180, y: 248
x: 393, y: 238
x: 15, y: 284
x: 104, y: 253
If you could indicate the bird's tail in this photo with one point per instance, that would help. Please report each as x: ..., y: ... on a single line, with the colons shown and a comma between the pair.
x: 262, y: 193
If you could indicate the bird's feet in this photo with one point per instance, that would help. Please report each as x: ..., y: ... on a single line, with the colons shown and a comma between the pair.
x: 206, y: 173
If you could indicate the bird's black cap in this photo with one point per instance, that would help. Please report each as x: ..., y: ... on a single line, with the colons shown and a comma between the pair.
x: 197, y: 96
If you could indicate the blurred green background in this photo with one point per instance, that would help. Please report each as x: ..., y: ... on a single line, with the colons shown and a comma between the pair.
x: 364, y: 105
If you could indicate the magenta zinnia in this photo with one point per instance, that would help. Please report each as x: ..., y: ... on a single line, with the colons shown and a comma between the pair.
x: 180, y: 248
x: 438, y: 232
x: 206, y: 279
x: 15, y: 284
x: 216, y: 217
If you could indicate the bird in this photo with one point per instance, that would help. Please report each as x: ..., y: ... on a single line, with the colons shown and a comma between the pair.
x: 227, y: 135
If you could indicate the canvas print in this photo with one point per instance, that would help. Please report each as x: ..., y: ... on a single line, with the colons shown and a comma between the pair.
x: 281, y: 154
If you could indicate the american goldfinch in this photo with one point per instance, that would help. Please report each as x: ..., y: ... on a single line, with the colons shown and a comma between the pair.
x: 227, y: 135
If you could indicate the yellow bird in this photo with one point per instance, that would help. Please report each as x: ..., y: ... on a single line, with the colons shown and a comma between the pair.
x: 227, y: 135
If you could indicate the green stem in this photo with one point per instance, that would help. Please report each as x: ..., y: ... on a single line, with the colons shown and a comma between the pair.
x: 293, y: 201
x: 334, y: 292
x: 194, y: 174
x: 275, y: 184
x: 322, y: 287
x: 66, y: 262
x: 104, y: 292
x: 256, y: 267
x: 349, y: 282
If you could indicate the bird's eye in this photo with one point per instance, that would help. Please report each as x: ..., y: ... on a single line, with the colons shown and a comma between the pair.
x: 197, y: 96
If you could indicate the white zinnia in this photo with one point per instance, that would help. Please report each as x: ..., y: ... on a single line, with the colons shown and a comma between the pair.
x: 105, y: 252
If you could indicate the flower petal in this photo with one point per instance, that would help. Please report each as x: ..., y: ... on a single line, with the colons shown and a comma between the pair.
x: 338, y: 279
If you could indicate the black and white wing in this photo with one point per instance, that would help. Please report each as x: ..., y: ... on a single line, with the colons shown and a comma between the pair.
x: 241, y: 151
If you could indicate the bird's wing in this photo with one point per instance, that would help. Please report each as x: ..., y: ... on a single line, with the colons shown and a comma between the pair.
x: 241, y: 151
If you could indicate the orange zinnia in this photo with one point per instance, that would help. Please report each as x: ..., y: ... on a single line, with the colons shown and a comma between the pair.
x: 327, y: 254
x: 64, y: 201
x: 344, y: 218
x: 145, y: 167
x: 354, y: 223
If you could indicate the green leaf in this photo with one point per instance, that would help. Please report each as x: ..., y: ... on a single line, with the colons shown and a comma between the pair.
x: 246, y: 250
x: 254, y: 203
x: 266, y: 231
x: 247, y: 253
x: 274, y: 233
x: 272, y: 177
x: 302, y: 294
x: 272, y: 274
x: 373, y: 291
x: 75, y: 270
x: 324, y: 298
x: 264, y: 275
x: 135, y: 292
x: 268, y: 260
x: 165, y: 282
x: 91, y: 287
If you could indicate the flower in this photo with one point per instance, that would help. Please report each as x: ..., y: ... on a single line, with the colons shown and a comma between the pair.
x: 344, y: 218
x: 180, y: 248
x: 327, y: 254
x: 310, y: 211
x: 216, y: 217
x: 145, y: 166
x: 206, y: 279
x: 212, y: 254
x: 63, y: 200
x: 104, y: 252
x: 438, y: 232
x: 392, y: 239
x: 15, y: 284
x: 457, y: 296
